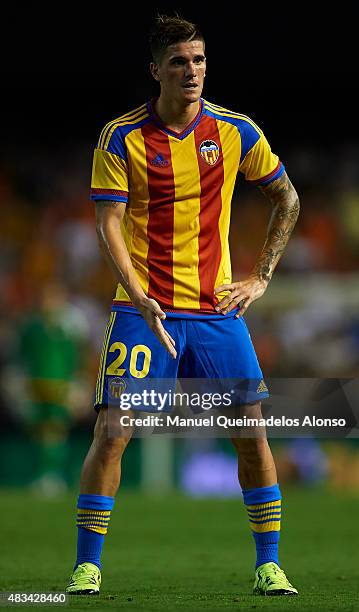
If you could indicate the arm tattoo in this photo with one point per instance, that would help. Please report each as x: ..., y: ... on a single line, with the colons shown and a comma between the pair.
x: 285, y: 201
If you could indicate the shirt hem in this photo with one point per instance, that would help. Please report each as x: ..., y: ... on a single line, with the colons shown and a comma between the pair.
x: 178, y: 312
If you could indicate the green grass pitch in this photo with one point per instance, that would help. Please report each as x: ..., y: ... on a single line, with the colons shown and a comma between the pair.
x: 176, y: 553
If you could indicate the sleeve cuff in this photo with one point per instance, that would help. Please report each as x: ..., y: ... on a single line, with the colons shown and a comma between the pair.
x: 109, y: 194
x: 275, y: 174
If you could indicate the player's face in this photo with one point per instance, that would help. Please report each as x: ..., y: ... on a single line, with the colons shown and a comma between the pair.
x: 181, y: 71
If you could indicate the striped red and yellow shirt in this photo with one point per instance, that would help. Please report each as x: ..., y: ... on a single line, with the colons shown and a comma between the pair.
x: 178, y: 188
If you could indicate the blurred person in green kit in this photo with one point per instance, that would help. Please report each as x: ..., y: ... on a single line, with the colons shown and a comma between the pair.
x: 51, y: 352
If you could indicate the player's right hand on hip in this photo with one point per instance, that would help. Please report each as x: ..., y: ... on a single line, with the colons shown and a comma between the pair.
x: 152, y: 313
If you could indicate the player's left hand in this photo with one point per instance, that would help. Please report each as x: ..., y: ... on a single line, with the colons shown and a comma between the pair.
x: 241, y: 295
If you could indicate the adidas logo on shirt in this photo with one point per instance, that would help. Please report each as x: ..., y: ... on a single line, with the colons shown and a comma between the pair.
x: 159, y: 161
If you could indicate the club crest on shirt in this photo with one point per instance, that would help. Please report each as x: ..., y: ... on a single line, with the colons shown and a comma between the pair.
x: 209, y: 151
x: 117, y: 387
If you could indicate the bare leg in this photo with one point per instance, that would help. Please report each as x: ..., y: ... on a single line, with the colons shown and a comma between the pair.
x: 101, y: 471
x: 256, y: 466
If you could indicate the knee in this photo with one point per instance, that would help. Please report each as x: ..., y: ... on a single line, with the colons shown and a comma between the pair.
x: 110, y: 440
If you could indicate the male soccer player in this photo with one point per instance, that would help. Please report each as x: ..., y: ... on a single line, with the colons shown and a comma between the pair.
x: 163, y: 179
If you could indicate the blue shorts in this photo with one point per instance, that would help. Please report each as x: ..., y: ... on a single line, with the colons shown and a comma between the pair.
x: 216, y: 347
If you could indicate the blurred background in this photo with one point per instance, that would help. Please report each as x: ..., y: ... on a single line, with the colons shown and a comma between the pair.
x: 55, y: 289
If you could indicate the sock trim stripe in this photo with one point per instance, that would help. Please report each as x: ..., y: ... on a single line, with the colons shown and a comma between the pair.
x: 89, y: 511
x: 92, y: 522
x: 100, y: 530
x: 263, y: 515
x: 258, y: 507
x: 273, y: 519
x: 86, y: 524
x: 274, y: 526
x: 270, y: 519
x: 95, y: 517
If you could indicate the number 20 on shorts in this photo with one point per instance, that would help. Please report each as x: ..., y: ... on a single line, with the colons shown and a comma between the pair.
x: 115, y: 369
